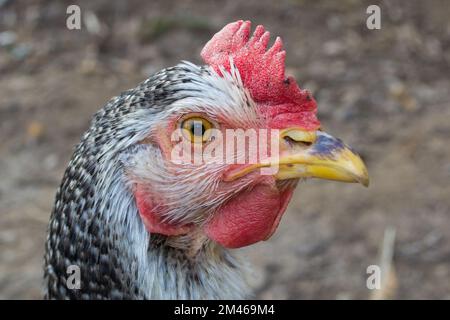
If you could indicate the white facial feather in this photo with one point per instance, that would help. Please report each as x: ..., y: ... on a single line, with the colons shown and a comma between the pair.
x: 189, y: 193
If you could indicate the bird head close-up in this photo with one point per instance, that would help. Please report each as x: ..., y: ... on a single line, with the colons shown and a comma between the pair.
x: 141, y: 223
x: 224, y: 150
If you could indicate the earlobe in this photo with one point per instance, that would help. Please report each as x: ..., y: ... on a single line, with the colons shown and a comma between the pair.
x: 152, y: 221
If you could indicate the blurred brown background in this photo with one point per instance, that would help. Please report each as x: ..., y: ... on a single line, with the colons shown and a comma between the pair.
x: 385, y: 92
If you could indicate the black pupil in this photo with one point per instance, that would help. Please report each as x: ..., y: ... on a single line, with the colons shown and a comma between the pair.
x: 197, y: 128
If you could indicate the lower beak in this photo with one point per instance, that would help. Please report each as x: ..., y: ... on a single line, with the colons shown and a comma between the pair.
x: 307, y: 154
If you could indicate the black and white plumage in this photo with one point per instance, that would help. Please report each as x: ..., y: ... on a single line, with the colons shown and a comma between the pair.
x: 101, y: 232
x: 141, y: 226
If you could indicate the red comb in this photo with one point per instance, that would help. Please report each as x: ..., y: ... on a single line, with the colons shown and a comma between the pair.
x: 263, y: 74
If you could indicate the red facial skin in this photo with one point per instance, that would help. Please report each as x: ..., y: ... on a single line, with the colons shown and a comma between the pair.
x: 253, y: 214
x: 153, y: 222
x: 250, y: 217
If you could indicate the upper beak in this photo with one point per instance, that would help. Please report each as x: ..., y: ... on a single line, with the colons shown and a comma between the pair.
x: 309, y: 154
x: 319, y: 155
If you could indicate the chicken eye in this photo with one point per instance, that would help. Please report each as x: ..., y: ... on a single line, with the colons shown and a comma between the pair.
x: 196, y: 129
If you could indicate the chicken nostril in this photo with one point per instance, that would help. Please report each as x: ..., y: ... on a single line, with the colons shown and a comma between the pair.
x: 299, y: 137
x: 291, y: 142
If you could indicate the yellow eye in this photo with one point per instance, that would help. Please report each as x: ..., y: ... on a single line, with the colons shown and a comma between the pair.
x: 196, y: 129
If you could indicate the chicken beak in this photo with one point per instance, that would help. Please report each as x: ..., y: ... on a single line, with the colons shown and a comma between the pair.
x: 307, y: 154
x: 310, y: 154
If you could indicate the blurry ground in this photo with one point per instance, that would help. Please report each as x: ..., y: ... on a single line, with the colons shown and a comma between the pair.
x: 385, y: 92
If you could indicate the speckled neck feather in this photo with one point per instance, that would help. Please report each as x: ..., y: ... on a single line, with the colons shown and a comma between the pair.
x: 95, y: 224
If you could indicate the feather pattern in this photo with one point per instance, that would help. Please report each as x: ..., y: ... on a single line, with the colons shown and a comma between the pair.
x: 95, y: 224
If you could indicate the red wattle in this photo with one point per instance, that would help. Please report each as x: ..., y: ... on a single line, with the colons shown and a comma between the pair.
x: 249, y: 217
